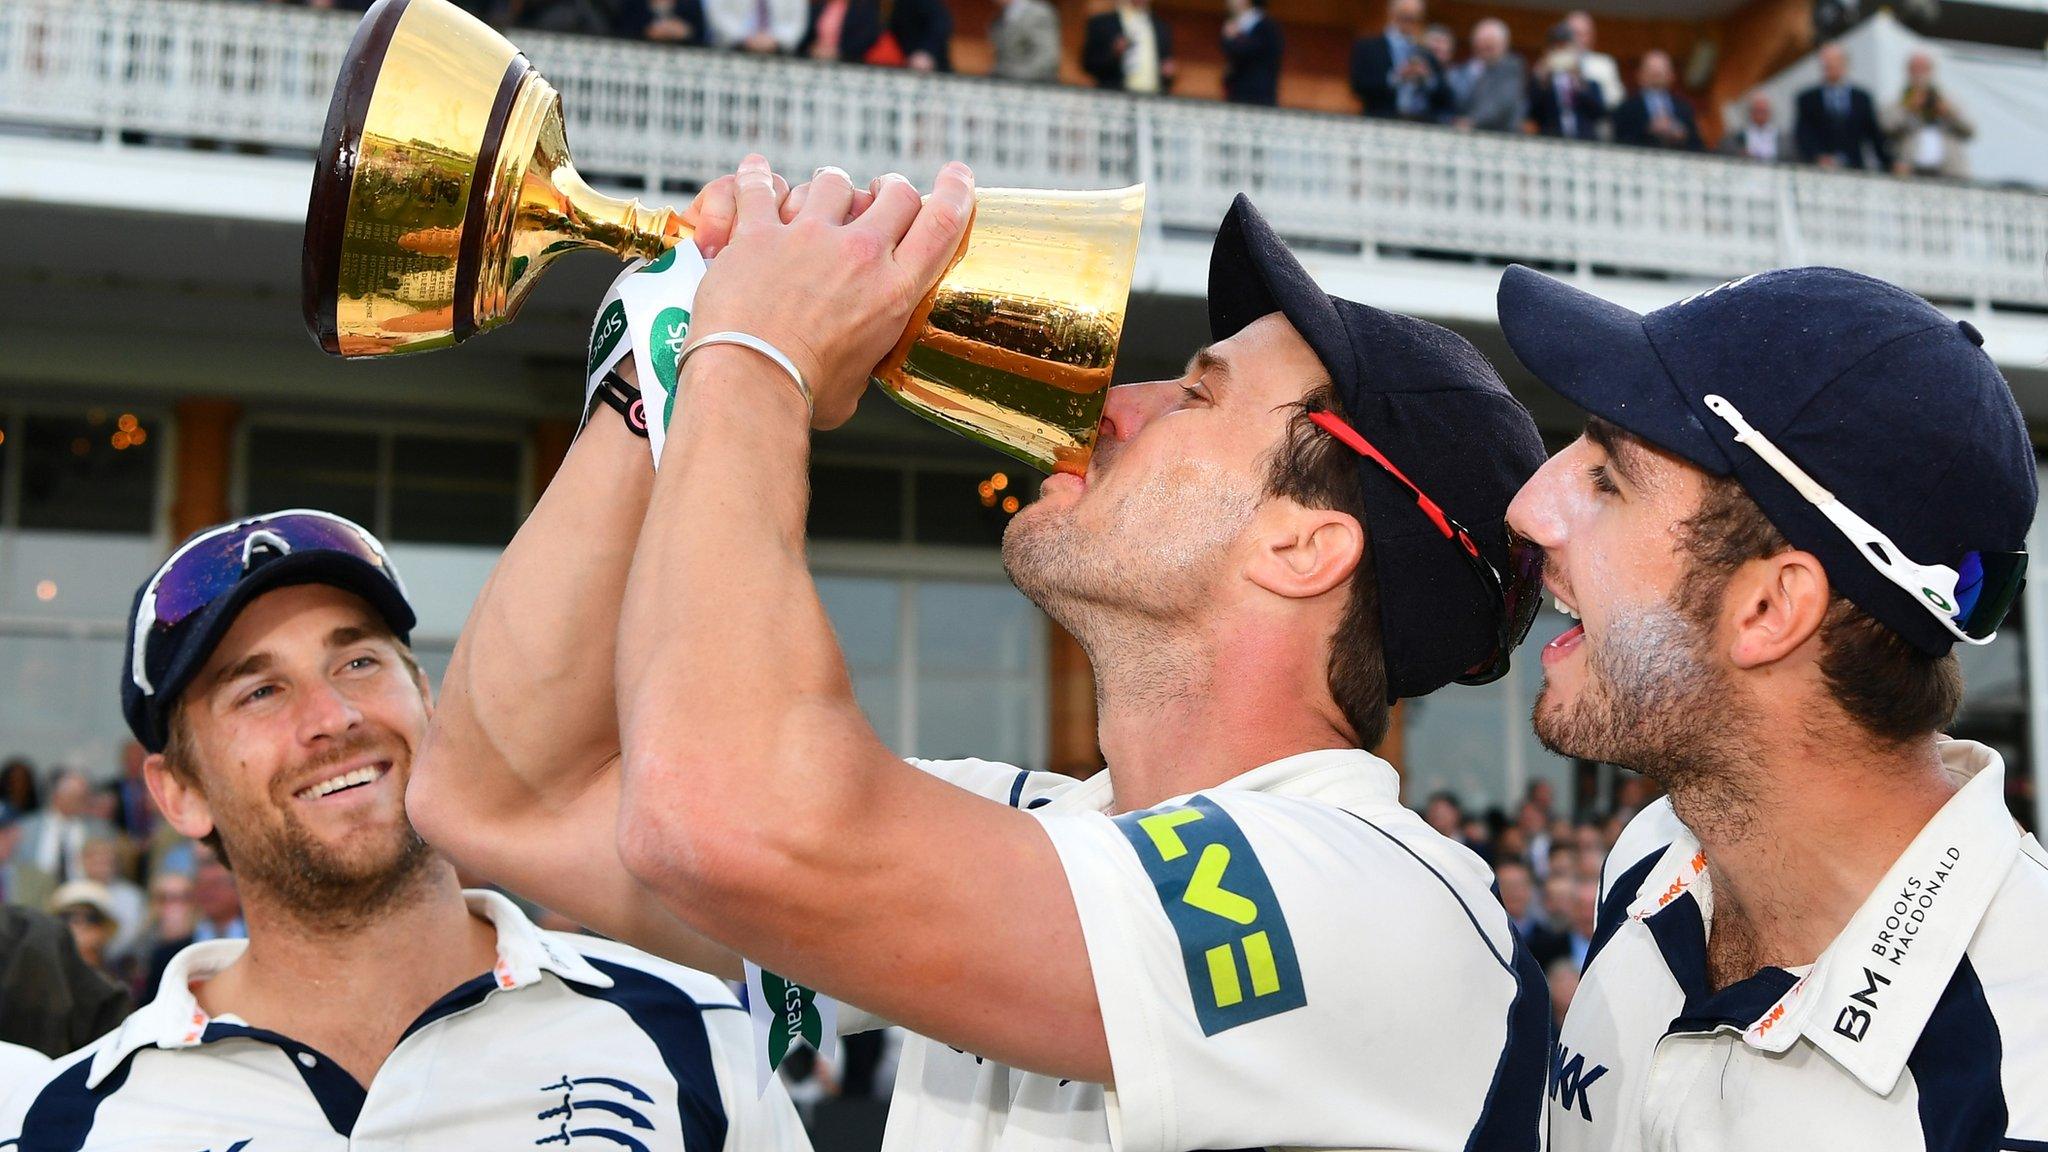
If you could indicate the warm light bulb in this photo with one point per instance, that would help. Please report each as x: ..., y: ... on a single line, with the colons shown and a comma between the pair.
x: 46, y: 590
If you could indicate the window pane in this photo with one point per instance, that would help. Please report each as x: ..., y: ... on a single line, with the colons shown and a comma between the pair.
x: 59, y: 701
x: 313, y: 468
x: 94, y: 472
x: 850, y: 502
x: 950, y: 511
x: 73, y: 575
x: 864, y: 612
x: 980, y: 673
x: 455, y: 491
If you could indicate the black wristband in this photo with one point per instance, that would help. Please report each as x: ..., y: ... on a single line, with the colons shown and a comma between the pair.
x: 622, y: 398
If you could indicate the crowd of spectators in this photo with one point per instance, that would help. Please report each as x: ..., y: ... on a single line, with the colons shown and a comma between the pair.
x: 1409, y: 70
x: 1546, y: 867
x: 1412, y: 70
x: 101, y: 860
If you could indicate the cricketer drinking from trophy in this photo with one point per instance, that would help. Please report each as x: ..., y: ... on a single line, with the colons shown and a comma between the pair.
x: 1236, y: 935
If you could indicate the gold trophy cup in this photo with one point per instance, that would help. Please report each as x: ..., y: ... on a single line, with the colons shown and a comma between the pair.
x: 444, y: 187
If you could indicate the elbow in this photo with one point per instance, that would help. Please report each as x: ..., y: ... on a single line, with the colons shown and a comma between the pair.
x: 675, y: 837
x: 710, y: 836
x: 428, y: 804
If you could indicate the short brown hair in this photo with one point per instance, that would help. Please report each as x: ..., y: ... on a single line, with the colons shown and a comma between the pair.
x: 1312, y: 469
x: 1885, y: 685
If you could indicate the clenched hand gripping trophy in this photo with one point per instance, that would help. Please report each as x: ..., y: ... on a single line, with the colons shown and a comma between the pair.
x: 444, y: 188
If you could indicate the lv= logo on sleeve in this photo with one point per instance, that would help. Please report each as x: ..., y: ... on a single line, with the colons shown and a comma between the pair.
x: 1234, y: 940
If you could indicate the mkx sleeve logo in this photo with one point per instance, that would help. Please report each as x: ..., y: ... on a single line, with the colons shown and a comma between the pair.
x: 1233, y: 938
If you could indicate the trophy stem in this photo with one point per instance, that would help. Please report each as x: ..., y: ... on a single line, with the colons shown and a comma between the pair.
x: 627, y: 228
x: 536, y: 206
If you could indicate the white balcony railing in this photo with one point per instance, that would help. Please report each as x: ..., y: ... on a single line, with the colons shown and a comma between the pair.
x: 261, y: 75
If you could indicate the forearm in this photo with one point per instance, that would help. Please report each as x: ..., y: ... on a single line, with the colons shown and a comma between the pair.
x: 527, y: 711
x: 737, y: 713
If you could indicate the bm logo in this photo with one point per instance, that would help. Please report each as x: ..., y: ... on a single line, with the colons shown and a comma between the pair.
x: 1571, y: 1081
x: 1854, y: 1022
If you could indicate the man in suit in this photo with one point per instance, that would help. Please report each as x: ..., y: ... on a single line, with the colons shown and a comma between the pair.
x: 761, y: 27
x: 21, y: 883
x: 1656, y: 117
x: 1595, y: 65
x: 1251, y: 54
x: 663, y: 22
x: 1562, y: 101
x: 922, y: 31
x: 1759, y: 137
x: 54, y: 839
x: 1026, y: 37
x: 1496, y: 86
x: 1394, y: 75
x: 1516, y: 886
x: 1129, y: 49
x: 1837, y: 121
x: 1928, y: 130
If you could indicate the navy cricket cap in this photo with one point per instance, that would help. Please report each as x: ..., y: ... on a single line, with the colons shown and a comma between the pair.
x: 1436, y: 408
x: 1890, y: 405
x: 325, y: 550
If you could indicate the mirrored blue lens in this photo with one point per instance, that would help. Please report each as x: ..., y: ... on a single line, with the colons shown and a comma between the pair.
x: 1989, y: 584
x: 211, y: 567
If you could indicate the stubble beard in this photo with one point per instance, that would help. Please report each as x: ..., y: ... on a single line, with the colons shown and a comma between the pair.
x: 278, y: 859
x: 1135, y: 591
x: 1655, y: 702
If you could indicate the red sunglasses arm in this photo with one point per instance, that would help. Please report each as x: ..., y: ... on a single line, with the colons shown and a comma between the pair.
x: 1329, y: 422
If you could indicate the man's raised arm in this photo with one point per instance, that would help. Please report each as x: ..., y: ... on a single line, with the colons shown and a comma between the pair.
x: 759, y: 804
x: 518, y: 779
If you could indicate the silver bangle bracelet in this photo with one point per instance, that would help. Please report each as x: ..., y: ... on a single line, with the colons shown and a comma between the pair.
x: 746, y: 340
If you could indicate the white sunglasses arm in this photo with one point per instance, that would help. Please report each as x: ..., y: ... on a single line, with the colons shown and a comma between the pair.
x: 1892, y: 563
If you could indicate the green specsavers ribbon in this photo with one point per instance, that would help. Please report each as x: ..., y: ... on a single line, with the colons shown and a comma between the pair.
x: 784, y: 1013
x: 647, y: 314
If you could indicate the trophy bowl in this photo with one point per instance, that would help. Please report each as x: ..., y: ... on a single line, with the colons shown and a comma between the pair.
x: 444, y: 188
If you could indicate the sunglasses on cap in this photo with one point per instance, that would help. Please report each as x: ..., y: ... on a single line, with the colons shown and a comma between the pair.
x: 1970, y: 599
x: 1515, y: 599
x: 209, y: 565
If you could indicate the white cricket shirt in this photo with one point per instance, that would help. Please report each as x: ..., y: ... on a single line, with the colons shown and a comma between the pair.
x: 1924, y: 1025
x: 570, y: 1041
x: 1290, y: 959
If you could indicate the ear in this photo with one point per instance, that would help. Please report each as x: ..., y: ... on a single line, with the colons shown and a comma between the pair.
x: 1775, y: 605
x: 1300, y: 553
x: 183, y: 804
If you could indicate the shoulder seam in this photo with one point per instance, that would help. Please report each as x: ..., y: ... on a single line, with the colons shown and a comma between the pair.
x: 1506, y: 965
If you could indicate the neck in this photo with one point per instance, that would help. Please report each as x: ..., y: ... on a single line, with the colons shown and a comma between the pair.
x: 1798, y: 836
x: 350, y: 989
x: 1178, y: 713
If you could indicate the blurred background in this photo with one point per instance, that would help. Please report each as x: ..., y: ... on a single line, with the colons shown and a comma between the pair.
x: 155, y: 375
